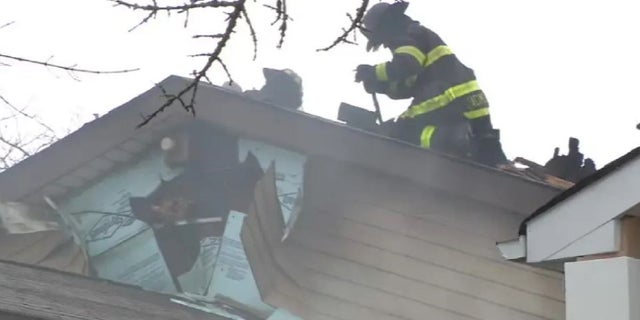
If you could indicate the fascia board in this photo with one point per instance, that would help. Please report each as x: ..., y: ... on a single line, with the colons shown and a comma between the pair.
x: 583, y: 213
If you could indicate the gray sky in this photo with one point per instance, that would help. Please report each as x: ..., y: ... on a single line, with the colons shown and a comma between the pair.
x: 551, y: 69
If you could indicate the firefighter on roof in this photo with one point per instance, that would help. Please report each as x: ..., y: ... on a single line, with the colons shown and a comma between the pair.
x: 446, y: 95
x: 282, y: 88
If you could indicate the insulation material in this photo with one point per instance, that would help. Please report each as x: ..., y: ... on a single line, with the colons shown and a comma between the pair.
x: 289, y: 171
x: 101, y: 214
x: 137, y: 261
x: 232, y: 277
x: 121, y: 247
x: 198, y: 279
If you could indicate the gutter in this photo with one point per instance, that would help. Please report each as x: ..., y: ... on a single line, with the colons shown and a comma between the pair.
x: 514, y: 250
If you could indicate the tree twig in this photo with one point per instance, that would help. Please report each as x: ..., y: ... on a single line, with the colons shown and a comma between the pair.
x: 254, y: 37
x: 7, y: 24
x: 26, y: 115
x: 66, y: 68
x: 15, y: 146
x: 180, y: 8
x: 282, y: 16
x: 356, y: 23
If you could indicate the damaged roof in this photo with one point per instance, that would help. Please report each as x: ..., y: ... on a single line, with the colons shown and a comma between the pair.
x: 583, y: 184
x: 98, y: 146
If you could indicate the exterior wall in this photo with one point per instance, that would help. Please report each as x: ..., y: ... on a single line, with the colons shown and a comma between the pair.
x: 371, y: 246
x: 399, y: 251
x: 603, y: 289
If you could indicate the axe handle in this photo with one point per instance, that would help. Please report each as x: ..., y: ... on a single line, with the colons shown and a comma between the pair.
x: 376, y: 104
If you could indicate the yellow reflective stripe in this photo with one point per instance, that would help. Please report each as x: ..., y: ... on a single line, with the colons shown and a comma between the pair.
x: 437, y: 53
x: 381, y: 72
x: 425, y: 60
x: 478, y: 113
x: 412, y: 51
x: 442, y: 100
x: 426, y: 135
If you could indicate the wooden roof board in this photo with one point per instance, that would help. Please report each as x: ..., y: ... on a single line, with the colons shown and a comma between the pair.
x: 44, y: 294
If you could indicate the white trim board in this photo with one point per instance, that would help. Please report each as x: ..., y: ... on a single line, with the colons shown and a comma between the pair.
x: 584, y: 216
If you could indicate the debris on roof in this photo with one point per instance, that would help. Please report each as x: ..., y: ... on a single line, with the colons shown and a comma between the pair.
x: 572, y: 166
x: 555, y: 173
x: 282, y: 88
x: 561, y: 171
x: 584, y: 183
x: 538, y: 172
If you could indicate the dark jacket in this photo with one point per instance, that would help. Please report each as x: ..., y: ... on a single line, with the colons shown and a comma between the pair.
x: 423, y: 68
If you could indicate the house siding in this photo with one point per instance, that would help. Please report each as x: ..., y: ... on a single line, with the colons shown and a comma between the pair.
x: 400, y: 252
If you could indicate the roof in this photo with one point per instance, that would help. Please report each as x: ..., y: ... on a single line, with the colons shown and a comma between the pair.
x: 96, y: 147
x: 584, y: 183
x: 36, y: 293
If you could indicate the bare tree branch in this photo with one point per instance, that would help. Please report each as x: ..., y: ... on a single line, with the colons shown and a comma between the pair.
x: 356, y: 23
x: 71, y: 68
x: 26, y: 115
x: 254, y: 37
x: 15, y: 146
x: 154, y: 7
x: 282, y: 16
x: 7, y: 24
x: 202, y: 73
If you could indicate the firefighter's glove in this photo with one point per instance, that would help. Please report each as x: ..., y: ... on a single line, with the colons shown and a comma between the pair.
x: 365, y: 73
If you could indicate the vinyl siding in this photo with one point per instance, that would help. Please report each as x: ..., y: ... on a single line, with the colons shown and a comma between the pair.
x: 368, y: 246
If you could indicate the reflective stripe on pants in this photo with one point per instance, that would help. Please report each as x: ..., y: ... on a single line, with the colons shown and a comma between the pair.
x: 441, y: 100
x: 426, y: 137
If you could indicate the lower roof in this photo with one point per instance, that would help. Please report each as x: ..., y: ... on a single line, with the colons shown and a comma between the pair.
x: 38, y: 293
